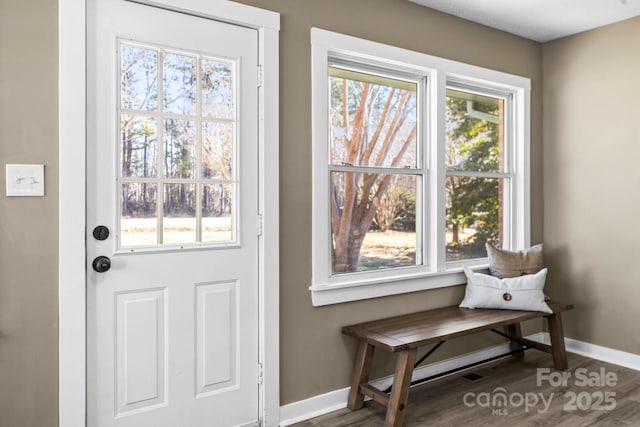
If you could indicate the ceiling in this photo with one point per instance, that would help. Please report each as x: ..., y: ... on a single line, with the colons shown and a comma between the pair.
x: 539, y: 20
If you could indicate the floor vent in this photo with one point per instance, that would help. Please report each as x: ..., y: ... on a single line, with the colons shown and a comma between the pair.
x: 472, y: 376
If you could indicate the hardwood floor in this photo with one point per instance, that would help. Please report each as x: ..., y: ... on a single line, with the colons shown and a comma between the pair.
x: 442, y: 402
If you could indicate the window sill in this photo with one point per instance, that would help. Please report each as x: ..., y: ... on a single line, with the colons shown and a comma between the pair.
x: 339, y: 293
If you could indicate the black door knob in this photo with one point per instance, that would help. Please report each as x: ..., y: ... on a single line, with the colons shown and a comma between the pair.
x: 101, y: 232
x: 101, y: 264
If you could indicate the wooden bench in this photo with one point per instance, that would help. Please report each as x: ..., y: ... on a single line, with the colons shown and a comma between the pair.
x: 405, y: 334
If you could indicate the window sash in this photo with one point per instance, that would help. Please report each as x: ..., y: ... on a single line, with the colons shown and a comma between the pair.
x: 420, y: 258
x: 487, y: 89
x: 377, y: 74
x: 367, y: 72
x: 483, y: 92
x: 507, y: 220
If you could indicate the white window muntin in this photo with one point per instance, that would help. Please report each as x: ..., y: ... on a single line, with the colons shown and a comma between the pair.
x: 440, y: 72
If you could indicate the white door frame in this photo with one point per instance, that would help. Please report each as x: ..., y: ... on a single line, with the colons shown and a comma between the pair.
x: 72, y: 78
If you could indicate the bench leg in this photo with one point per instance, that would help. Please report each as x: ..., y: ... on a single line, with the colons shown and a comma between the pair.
x: 400, y: 390
x: 360, y: 375
x: 516, y: 332
x: 557, y: 342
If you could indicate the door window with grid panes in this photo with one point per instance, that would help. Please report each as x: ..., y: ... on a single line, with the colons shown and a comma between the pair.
x: 177, y: 150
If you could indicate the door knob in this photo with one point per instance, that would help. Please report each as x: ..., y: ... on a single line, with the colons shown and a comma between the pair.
x: 101, y: 232
x: 101, y: 264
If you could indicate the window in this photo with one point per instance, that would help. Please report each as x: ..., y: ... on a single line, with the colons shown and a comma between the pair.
x: 177, y: 132
x: 477, y: 183
x: 375, y: 170
x: 418, y: 161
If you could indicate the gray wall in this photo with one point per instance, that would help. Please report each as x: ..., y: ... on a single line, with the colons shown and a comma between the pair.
x: 29, y: 226
x: 592, y: 181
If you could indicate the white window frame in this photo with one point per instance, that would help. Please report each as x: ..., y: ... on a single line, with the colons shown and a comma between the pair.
x: 326, y: 46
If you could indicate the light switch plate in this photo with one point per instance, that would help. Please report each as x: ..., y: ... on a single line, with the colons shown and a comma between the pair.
x: 25, y: 180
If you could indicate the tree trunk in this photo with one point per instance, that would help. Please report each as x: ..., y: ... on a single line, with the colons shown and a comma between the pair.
x: 353, y: 258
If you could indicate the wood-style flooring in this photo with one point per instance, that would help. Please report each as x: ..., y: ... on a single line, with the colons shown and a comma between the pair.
x: 576, y: 403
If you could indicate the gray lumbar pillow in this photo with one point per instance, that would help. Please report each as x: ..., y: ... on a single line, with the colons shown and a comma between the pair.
x: 504, y: 264
x: 516, y: 293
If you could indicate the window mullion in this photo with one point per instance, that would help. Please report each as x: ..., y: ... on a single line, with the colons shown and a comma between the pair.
x: 423, y: 250
x: 438, y: 160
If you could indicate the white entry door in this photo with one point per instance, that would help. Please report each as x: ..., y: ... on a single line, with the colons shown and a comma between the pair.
x: 172, y: 178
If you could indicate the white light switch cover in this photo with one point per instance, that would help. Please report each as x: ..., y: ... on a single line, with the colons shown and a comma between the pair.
x: 25, y: 180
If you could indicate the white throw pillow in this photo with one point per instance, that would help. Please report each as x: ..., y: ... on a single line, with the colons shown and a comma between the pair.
x: 515, y: 293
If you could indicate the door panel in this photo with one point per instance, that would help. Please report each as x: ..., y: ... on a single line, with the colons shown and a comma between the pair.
x: 172, y: 156
x: 140, y: 349
x: 216, y: 330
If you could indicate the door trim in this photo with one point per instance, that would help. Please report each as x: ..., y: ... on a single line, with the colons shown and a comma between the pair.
x: 72, y: 79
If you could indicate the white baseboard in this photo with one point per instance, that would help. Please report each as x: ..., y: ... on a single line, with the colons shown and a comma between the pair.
x: 598, y: 352
x: 337, y: 399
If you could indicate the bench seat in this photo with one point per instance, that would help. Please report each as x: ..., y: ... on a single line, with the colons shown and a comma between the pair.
x: 406, y: 333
